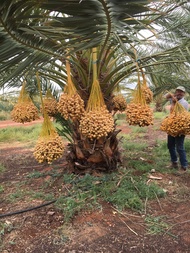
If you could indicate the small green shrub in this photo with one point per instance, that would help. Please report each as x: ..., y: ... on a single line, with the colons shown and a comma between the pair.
x: 156, y: 225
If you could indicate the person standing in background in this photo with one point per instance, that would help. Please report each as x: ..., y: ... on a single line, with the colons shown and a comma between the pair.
x: 176, y: 144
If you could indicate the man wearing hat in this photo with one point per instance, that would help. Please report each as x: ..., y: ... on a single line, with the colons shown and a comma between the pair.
x: 176, y: 144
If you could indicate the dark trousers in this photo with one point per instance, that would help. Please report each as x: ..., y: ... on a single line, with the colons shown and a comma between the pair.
x: 176, y: 145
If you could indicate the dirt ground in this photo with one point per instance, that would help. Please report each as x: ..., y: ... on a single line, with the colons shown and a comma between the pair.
x: 106, y: 230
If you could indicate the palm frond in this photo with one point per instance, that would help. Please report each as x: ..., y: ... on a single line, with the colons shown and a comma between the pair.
x: 35, y: 35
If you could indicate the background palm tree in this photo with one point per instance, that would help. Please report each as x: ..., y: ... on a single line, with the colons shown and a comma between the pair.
x: 39, y: 36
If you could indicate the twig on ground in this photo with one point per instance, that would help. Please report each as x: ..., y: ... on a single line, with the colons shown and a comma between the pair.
x: 158, y: 201
x: 176, y: 224
x: 126, y: 216
x: 128, y: 227
x: 132, y: 180
x: 145, y: 205
x: 179, y: 215
x: 182, y: 222
x: 122, y: 213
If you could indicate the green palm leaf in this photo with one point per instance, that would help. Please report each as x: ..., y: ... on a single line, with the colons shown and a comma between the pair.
x: 34, y: 33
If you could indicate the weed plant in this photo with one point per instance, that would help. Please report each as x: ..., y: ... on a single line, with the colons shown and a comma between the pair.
x: 156, y: 225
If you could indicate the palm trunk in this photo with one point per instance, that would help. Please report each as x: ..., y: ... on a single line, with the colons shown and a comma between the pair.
x: 98, y: 155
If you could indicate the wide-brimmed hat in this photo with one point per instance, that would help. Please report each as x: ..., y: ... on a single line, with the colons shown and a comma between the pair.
x: 181, y: 88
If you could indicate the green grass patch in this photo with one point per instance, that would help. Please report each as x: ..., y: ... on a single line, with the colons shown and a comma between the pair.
x: 187, y: 145
x: 35, y: 174
x: 137, y: 129
x: 1, y: 189
x: 2, y: 168
x: 160, y: 115
x: 21, y: 194
x: 121, y: 122
x: 17, y: 195
x: 4, y: 115
x: 134, y: 146
x: 123, y: 192
x: 121, y: 116
x: 139, y: 165
x: 41, y: 195
x: 157, y: 225
x: 22, y: 134
x: 5, y: 227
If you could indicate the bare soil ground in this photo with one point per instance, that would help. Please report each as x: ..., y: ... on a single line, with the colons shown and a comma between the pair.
x: 108, y: 230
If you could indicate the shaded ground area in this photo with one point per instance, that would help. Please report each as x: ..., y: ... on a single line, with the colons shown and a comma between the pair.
x: 164, y: 226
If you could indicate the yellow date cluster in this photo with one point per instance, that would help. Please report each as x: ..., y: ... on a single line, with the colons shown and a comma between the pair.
x: 138, y: 114
x: 97, y: 123
x: 49, y: 149
x: 24, y: 112
x: 71, y: 106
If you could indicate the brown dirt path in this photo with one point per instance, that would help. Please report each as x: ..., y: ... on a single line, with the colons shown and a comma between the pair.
x: 10, y: 123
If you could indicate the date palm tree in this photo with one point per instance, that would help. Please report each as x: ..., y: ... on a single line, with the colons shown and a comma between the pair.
x: 40, y: 36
